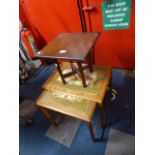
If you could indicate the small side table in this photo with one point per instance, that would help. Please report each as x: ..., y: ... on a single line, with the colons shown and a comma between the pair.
x: 68, y: 105
x: 72, y: 47
x: 95, y: 92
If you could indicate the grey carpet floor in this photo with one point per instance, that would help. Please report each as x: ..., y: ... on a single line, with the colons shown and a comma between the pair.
x: 65, y: 132
x: 120, y: 143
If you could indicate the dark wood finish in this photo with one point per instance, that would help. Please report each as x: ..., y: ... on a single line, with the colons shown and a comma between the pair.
x: 78, y: 71
x: 74, y: 71
x: 71, y: 65
x: 82, y: 74
x: 60, y: 72
x: 71, y: 46
x: 77, y: 46
x: 90, y: 62
x: 74, y: 68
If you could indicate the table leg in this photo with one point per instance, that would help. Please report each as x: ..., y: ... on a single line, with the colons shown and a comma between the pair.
x: 71, y: 65
x: 100, y: 106
x: 60, y: 72
x: 82, y: 73
x: 49, y: 117
x: 91, y: 131
x: 90, y: 62
x: 110, y: 85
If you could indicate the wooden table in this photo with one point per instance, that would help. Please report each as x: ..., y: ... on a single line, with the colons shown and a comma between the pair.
x: 73, y: 47
x: 68, y: 105
x: 97, y: 81
x: 74, y: 100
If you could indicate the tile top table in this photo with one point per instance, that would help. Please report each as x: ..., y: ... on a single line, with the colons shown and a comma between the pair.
x: 97, y: 82
x: 71, y: 47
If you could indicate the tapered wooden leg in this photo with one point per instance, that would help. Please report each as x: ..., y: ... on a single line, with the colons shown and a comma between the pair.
x: 100, y: 106
x: 71, y: 65
x: 82, y: 73
x: 60, y: 72
x: 90, y: 62
x: 90, y: 127
x: 49, y: 117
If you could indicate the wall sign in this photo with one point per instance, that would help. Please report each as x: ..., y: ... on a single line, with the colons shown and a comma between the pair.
x: 116, y: 14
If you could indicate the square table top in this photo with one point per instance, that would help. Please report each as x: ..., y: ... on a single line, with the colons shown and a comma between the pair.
x: 97, y: 83
x: 65, y: 104
x: 69, y: 46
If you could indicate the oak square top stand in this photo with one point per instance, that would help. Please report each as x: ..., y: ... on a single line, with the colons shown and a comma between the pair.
x: 72, y: 47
